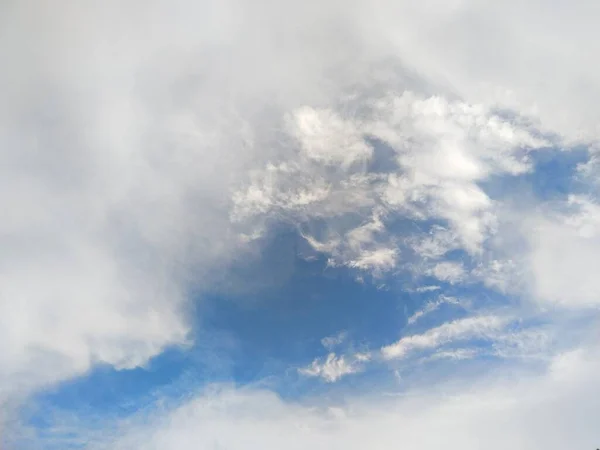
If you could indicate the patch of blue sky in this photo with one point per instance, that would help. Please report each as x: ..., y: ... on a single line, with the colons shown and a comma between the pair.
x: 554, y: 177
x: 105, y: 393
x: 384, y: 158
x: 286, y: 325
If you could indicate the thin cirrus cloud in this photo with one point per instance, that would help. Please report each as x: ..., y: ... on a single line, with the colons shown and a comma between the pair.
x: 149, y: 151
x: 440, y: 343
x: 468, y: 328
x: 430, y: 307
x: 330, y: 342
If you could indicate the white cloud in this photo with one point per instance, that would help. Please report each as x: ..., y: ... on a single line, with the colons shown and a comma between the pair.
x: 328, y: 139
x: 531, y: 343
x: 432, y: 306
x: 564, y: 250
x: 113, y: 197
x: 443, y: 149
x: 504, y: 275
x: 449, y: 271
x: 497, y: 53
x: 458, y: 354
x: 380, y: 260
x: 461, y: 329
x: 428, y: 288
x: 436, y: 244
x: 335, y: 367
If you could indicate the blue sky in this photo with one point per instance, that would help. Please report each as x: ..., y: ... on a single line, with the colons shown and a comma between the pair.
x: 263, y: 225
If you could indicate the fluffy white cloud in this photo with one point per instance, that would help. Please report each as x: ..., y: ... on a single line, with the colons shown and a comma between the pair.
x: 328, y: 139
x: 441, y: 149
x: 520, y: 55
x: 564, y: 253
x: 113, y: 194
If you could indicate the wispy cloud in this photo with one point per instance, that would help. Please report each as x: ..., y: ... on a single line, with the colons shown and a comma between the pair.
x: 457, y: 355
x: 330, y: 342
x: 432, y: 306
x: 449, y: 271
x: 462, y: 329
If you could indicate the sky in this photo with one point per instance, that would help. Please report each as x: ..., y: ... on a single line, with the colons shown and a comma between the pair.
x: 268, y: 224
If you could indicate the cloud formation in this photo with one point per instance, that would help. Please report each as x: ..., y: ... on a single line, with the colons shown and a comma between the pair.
x: 469, y: 328
x: 335, y: 367
x: 147, y: 149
